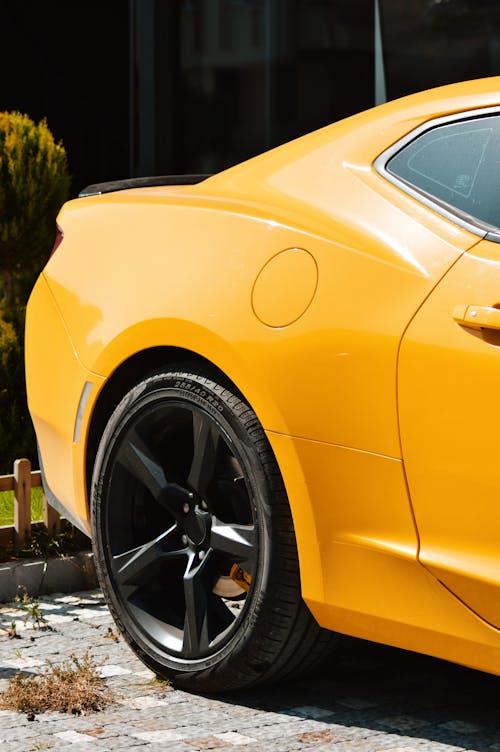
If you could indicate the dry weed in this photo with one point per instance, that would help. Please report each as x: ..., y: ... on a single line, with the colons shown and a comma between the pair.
x: 73, y: 687
x: 112, y: 634
x: 11, y: 631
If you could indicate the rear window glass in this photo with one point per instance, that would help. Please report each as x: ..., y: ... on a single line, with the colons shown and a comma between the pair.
x: 457, y: 163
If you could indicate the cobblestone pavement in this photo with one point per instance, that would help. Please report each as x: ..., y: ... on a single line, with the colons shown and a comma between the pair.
x: 369, y: 698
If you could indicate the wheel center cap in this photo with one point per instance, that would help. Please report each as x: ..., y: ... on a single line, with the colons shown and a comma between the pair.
x: 198, y: 526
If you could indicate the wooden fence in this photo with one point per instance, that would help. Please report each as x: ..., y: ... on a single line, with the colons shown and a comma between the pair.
x: 21, y: 482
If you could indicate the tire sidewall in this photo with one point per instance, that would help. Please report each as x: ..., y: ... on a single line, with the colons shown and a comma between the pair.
x: 232, y: 417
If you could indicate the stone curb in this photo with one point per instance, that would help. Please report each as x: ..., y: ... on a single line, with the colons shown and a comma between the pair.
x: 67, y: 574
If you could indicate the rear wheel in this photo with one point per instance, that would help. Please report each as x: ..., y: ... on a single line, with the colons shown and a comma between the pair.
x: 194, y: 540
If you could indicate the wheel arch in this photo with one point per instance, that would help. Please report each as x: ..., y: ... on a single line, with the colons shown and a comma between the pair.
x: 139, y: 365
x: 130, y: 371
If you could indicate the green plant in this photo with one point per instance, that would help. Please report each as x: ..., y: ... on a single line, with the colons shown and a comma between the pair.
x: 31, y: 607
x: 46, y: 545
x: 34, y: 182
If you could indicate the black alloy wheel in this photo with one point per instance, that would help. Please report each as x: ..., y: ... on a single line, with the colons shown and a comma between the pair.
x: 193, y: 537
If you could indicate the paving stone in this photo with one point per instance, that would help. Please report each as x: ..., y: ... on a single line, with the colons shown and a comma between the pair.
x: 234, y: 738
x: 460, y: 727
x: 74, y: 737
x: 392, y: 702
x: 143, y: 702
x: 403, y: 723
x: 208, y: 742
x: 163, y: 735
x: 356, y: 703
x: 309, y: 711
x: 110, y: 670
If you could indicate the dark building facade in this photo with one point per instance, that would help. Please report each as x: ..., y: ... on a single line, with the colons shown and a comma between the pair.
x: 140, y: 87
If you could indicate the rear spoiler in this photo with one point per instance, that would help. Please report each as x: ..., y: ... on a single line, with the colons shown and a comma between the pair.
x: 122, y: 185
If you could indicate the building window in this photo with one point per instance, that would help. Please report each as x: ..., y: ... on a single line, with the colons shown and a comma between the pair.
x: 218, y: 81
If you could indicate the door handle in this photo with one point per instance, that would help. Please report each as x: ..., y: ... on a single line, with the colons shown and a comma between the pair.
x: 477, y: 317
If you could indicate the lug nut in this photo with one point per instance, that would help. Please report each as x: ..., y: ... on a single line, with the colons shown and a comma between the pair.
x: 201, y: 555
x: 186, y: 508
x: 190, y: 495
x: 185, y: 539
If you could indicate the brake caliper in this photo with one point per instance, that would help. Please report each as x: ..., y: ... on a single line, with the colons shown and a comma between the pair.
x: 240, y: 577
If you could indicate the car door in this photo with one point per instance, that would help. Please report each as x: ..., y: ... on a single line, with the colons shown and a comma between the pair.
x: 449, y: 391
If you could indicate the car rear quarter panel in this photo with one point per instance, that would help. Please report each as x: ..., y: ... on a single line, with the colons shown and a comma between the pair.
x: 55, y: 378
x: 141, y: 271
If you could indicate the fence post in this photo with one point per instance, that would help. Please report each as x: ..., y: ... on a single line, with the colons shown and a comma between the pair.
x: 22, y: 502
x: 51, y: 518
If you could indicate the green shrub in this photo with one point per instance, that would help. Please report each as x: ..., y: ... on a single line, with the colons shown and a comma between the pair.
x: 34, y: 183
x: 17, y: 438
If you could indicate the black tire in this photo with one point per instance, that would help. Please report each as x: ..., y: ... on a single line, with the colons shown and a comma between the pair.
x: 194, y: 541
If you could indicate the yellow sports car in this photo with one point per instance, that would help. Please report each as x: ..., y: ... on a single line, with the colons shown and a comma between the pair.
x: 272, y: 395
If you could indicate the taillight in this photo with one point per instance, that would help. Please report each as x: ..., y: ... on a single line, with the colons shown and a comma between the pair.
x: 58, y: 240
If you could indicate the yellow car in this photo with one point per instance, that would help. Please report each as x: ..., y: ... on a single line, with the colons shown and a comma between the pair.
x: 272, y: 395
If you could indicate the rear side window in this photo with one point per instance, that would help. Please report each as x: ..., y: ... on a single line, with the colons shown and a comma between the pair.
x: 458, y: 164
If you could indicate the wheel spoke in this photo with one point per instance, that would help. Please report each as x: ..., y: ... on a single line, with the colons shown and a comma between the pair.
x: 205, y: 441
x: 237, y: 541
x: 196, y: 597
x: 138, y: 459
x: 138, y: 565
